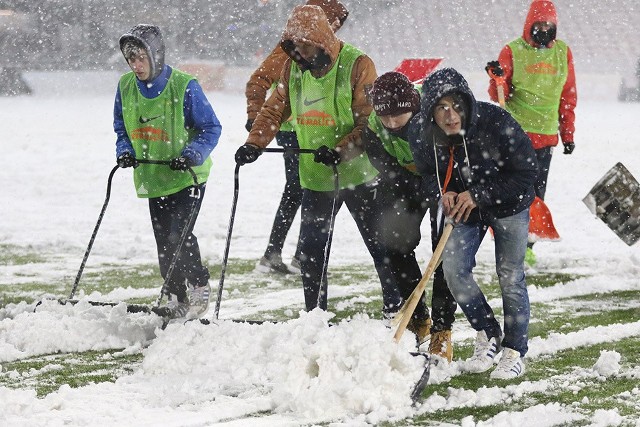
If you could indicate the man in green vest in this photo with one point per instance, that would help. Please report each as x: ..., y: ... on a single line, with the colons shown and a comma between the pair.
x: 162, y: 114
x: 263, y: 79
x: 322, y: 87
x: 534, y: 76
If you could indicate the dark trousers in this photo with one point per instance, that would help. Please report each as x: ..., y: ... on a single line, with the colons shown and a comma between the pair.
x: 169, y: 217
x: 544, y: 162
x: 291, y: 197
x: 401, y: 217
x: 314, y: 234
x: 401, y: 214
x: 443, y: 304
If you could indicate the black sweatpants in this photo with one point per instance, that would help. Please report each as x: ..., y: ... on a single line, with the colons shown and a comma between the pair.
x: 169, y: 217
x: 314, y: 234
x: 291, y: 197
x: 403, y: 210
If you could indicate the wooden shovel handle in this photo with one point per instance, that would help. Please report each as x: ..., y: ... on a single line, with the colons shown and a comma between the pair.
x: 410, y: 304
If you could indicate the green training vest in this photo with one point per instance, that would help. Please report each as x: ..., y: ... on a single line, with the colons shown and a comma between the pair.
x: 322, y: 115
x: 394, y: 145
x: 538, y: 78
x: 156, y: 130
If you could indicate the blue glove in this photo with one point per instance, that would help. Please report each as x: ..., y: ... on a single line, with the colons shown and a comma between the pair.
x: 127, y: 160
x: 327, y: 156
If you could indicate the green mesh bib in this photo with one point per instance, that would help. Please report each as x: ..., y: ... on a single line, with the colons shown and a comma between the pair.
x: 322, y: 115
x: 156, y: 130
x: 538, y: 78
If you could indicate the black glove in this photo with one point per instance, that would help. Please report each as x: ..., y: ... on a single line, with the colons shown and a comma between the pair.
x: 569, y: 147
x: 327, y: 156
x: 180, y: 163
x: 493, y: 67
x: 247, y: 153
x: 127, y: 160
x: 249, y: 125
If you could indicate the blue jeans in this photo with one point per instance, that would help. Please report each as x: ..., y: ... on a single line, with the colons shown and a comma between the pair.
x: 510, y: 246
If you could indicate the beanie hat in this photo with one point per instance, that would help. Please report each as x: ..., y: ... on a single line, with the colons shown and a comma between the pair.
x: 392, y: 94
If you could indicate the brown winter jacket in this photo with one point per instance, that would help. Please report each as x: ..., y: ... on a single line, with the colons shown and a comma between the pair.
x: 268, y: 72
x: 308, y: 24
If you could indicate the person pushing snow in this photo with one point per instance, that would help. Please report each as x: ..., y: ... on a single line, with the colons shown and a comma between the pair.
x: 162, y: 114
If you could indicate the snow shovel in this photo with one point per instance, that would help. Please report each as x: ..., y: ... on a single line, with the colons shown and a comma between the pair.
x: 416, y: 69
x: 403, y: 316
x: 615, y: 199
x: 131, y: 308
x: 236, y: 187
x: 541, y: 226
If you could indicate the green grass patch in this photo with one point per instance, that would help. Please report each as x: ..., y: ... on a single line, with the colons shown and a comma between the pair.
x: 45, y: 374
x: 569, y: 373
x: 17, y: 255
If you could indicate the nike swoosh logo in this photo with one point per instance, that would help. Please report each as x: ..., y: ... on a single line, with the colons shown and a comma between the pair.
x: 306, y: 102
x: 144, y: 120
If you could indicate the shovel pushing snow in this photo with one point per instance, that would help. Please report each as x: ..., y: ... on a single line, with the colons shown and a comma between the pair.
x: 131, y: 308
x: 615, y: 199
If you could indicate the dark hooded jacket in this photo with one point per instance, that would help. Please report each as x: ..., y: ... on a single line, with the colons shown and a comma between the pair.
x: 501, y: 167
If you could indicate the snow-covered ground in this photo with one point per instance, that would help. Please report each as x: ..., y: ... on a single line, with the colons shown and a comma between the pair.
x: 58, y: 151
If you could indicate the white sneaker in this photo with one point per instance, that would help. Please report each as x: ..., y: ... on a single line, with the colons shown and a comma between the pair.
x: 483, y: 355
x: 511, y: 365
x: 198, y: 301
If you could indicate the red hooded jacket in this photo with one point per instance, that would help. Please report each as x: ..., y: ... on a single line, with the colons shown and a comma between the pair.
x: 542, y: 10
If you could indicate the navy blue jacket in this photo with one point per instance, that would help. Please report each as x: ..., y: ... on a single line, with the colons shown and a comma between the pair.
x: 198, y: 114
x: 501, y: 167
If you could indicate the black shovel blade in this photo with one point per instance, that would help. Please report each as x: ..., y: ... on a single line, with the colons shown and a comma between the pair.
x: 615, y: 199
x: 424, y: 378
x: 131, y: 308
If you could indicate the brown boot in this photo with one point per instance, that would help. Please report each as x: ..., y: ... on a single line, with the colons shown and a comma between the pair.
x: 422, y: 329
x: 441, y: 345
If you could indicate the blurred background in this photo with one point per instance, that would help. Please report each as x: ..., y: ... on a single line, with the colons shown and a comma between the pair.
x: 224, y: 40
